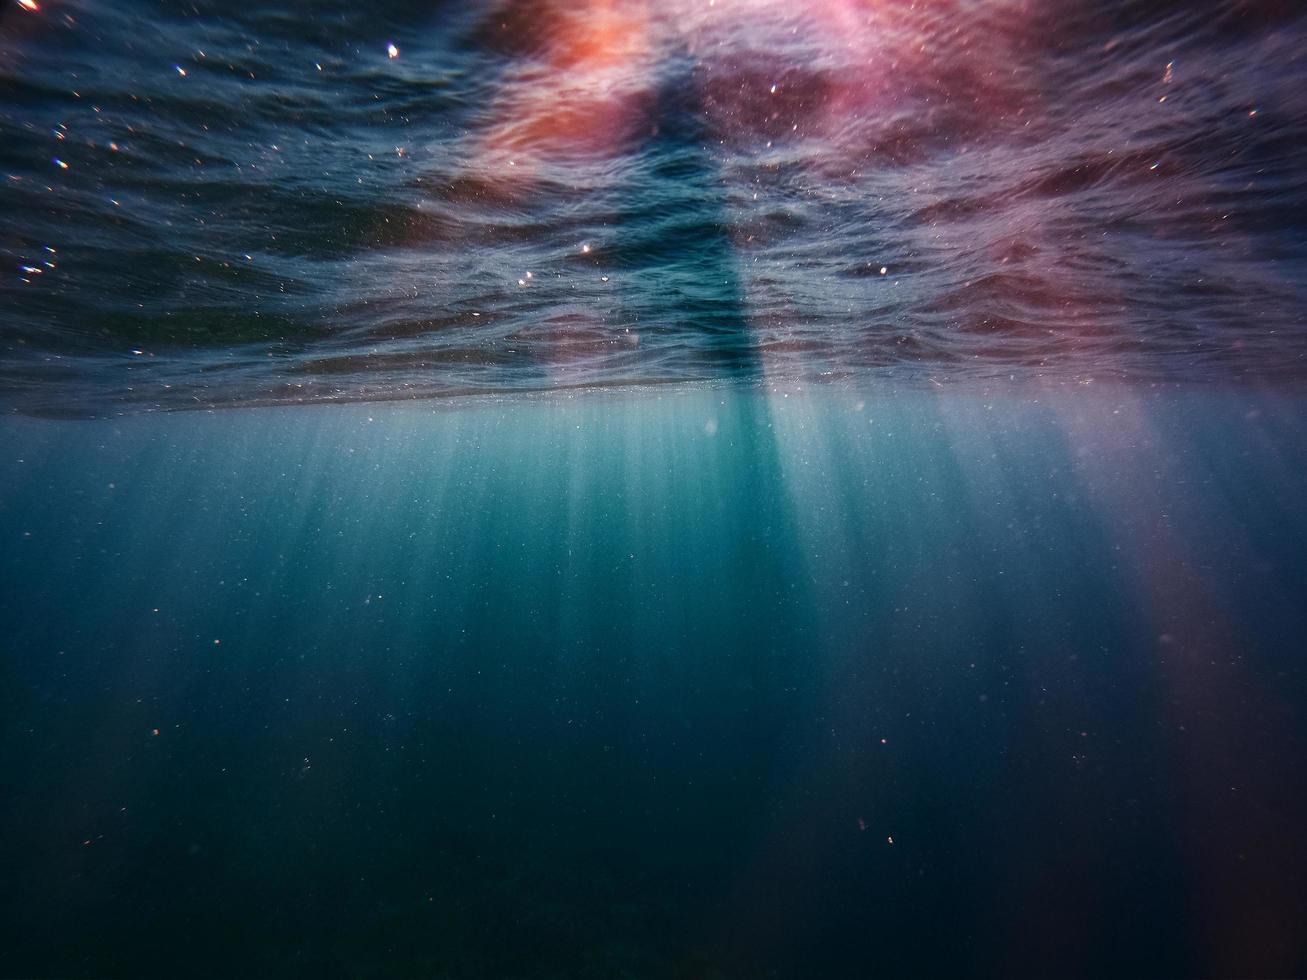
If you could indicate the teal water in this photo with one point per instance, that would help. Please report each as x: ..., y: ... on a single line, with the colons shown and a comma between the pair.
x: 700, y: 683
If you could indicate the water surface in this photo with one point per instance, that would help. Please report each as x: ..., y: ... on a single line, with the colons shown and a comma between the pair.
x: 205, y: 204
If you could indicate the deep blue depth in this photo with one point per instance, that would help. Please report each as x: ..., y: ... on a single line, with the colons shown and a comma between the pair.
x: 645, y: 685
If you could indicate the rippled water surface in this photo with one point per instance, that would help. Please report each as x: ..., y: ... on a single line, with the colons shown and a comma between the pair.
x: 209, y: 203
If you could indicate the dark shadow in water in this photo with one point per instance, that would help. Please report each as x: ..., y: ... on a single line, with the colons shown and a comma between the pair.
x: 674, y: 238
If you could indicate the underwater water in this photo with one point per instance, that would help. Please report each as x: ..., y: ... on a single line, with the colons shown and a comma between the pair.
x: 691, y: 684
x: 705, y: 490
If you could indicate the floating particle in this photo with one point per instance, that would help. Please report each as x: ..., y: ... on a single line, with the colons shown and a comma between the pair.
x: 180, y: 70
x: 585, y: 249
x: 29, y: 5
x: 884, y: 270
x: 392, y: 51
x: 603, y: 278
x: 154, y: 731
x: 60, y: 164
x: 889, y: 840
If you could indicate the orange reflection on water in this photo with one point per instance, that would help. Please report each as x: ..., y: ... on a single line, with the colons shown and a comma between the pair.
x: 583, y: 92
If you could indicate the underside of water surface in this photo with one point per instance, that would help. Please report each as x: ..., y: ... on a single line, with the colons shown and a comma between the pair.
x: 207, y: 206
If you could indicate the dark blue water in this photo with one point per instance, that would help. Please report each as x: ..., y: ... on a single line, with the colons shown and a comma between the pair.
x: 691, y: 685
x: 790, y: 490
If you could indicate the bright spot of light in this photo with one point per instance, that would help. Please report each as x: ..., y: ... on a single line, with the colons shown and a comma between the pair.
x: 392, y: 51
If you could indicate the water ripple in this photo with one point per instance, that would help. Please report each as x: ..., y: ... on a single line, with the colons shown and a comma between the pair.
x: 208, y: 206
